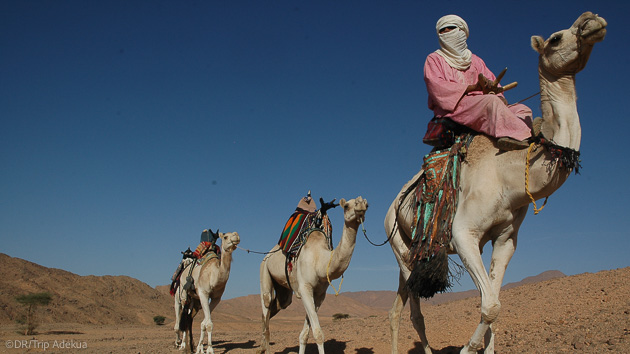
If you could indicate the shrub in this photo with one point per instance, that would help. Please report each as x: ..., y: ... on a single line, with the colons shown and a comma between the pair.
x: 159, y: 320
x: 340, y: 316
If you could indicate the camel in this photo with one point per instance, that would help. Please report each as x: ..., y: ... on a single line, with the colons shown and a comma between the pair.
x: 310, y: 275
x: 493, y: 199
x: 209, y: 284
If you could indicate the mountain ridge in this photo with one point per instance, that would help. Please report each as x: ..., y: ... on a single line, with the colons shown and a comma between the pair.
x: 125, y: 300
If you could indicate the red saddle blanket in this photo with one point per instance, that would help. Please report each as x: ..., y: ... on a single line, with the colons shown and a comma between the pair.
x: 292, y: 229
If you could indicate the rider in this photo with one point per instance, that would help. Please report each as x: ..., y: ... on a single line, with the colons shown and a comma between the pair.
x: 451, y: 74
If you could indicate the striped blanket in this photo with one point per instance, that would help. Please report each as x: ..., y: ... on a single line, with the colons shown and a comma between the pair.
x: 299, y: 226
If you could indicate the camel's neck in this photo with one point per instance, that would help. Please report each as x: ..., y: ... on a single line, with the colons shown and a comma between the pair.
x: 226, y: 262
x: 561, y: 122
x: 343, y: 252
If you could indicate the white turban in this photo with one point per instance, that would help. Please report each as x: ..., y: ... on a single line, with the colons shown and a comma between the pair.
x: 453, y: 44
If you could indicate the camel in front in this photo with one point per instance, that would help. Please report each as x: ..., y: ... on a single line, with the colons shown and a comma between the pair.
x: 494, y: 194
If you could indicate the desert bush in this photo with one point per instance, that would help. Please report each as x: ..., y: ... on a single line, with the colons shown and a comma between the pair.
x: 340, y: 316
x: 159, y: 320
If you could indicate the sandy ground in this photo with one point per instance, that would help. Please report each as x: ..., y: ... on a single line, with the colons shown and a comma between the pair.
x: 587, y: 313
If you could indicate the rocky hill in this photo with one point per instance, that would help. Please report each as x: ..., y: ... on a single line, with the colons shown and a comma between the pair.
x: 78, y: 299
x: 124, y: 300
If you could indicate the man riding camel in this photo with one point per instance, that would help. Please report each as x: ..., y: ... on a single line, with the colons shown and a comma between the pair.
x: 456, y: 91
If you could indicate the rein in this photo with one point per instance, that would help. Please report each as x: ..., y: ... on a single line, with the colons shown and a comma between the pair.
x: 370, y: 241
x: 250, y: 251
x: 525, y: 99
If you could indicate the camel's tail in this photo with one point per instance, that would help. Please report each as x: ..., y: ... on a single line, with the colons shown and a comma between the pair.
x: 186, y: 318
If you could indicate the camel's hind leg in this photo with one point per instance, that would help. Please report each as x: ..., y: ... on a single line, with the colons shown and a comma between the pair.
x: 178, y: 313
x: 417, y: 319
x: 395, y: 312
x: 273, y: 298
x: 267, y: 300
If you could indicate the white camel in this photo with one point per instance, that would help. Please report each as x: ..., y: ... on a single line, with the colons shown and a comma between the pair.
x: 492, y: 196
x: 209, y: 284
x: 309, y: 277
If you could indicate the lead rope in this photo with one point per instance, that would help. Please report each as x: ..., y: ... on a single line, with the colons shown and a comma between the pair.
x: 536, y: 209
x: 328, y: 275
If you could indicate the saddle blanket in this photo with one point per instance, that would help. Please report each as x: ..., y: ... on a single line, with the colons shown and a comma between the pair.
x: 299, y: 226
x: 436, y: 200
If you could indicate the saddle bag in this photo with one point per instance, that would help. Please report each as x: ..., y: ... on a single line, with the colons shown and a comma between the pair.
x: 441, y: 132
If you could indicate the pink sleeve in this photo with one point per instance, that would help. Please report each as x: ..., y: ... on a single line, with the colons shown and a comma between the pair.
x: 443, y: 89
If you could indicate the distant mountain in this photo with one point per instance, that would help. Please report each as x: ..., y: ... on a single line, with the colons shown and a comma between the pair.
x: 124, y: 300
x: 79, y: 299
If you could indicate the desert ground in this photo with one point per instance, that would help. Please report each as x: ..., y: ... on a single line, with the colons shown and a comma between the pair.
x: 586, y: 313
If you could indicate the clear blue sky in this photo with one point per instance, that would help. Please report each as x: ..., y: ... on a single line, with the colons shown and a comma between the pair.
x: 127, y: 127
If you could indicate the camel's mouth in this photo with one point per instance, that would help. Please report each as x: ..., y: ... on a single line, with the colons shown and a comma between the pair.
x: 594, y: 30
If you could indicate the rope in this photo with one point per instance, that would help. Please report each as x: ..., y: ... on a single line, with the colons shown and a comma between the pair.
x: 525, y: 99
x: 328, y: 275
x: 372, y: 243
x: 250, y: 251
x: 536, y: 209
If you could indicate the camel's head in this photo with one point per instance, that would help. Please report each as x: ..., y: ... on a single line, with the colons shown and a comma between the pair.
x: 566, y: 52
x: 229, y: 241
x: 354, y: 209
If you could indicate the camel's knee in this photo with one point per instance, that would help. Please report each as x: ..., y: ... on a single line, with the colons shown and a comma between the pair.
x: 266, y: 299
x: 318, y: 335
x: 490, y: 311
x: 207, y: 325
x: 304, y: 336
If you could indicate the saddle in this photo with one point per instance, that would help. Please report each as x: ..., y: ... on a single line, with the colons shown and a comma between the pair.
x: 299, y: 226
x: 442, y: 131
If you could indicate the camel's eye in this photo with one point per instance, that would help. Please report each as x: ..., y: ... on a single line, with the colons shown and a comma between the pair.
x: 555, y: 39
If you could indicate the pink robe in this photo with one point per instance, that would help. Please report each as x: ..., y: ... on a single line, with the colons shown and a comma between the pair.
x: 483, y: 113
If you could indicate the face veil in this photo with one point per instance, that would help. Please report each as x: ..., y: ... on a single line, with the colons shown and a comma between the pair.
x: 453, y: 47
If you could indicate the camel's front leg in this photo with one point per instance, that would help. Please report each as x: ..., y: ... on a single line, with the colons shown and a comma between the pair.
x: 502, y: 251
x: 467, y: 247
x: 206, y: 325
x: 311, y: 305
x: 303, y: 340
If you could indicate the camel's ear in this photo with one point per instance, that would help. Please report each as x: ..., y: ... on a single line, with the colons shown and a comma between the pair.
x: 538, y: 43
x: 342, y: 202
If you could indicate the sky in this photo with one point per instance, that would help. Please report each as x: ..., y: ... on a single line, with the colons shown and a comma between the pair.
x: 128, y: 127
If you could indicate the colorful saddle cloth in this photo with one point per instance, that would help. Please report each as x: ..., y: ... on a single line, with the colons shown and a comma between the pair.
x: 436, y: 200
x: 299, y: 226
x: 210, y: 254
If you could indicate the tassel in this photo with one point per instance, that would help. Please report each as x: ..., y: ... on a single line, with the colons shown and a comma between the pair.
x: 430, y: 276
